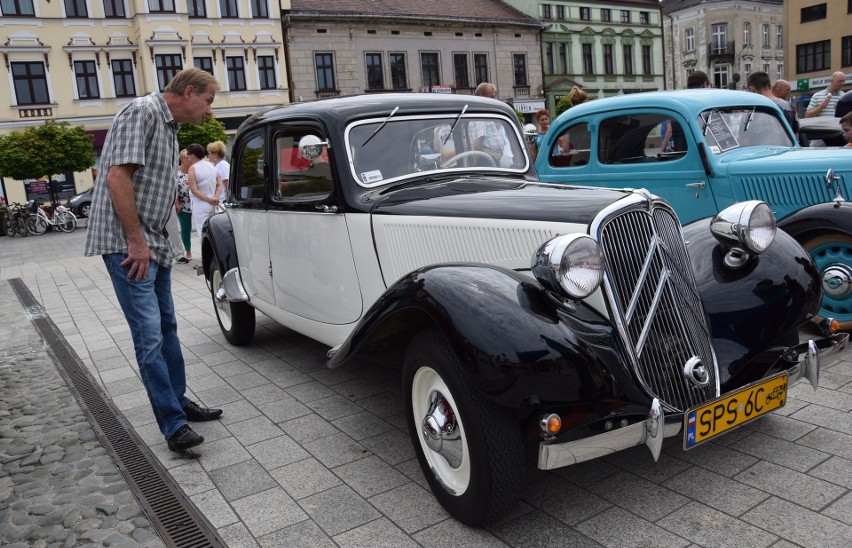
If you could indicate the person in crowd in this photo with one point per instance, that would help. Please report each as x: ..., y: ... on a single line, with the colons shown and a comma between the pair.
x: 132, y: 199
x: 216, y: 155
x: 183, y: 206
x: 846, y: 127
x: 542, y: 118
x: 844, y: 105
x: 781, y: 89
x: 205, y: 187
x: 697, y: 79
x: 578, y: 96
x: 758, y: 82
x: 53, y: 188
x: 824, y: 102
x: 490, y: 137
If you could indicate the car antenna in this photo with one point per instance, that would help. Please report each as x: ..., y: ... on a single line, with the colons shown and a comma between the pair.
x: 447, y: 136
x: 378, y: 129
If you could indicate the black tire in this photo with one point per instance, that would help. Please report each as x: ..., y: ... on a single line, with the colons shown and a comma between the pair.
x: 236, y: 319
x: 36, y: 225
x: 486, y: 482
x: 9, y: 228
x: 21, y: 226
x: 66, y: 221
x: 83, y: 210
x: 828, y: 250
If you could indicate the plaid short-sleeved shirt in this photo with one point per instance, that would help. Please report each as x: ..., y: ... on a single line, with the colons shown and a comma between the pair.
x: 144, y: 133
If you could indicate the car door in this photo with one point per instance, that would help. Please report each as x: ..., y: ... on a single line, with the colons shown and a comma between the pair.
x: 566, y: 159
x: 247, y: 210
x: 313, y: 270
x: 654, y: 149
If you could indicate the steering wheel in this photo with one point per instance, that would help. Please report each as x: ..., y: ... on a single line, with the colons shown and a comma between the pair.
x: 469, y: 154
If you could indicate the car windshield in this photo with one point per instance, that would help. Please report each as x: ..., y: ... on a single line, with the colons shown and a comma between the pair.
x: 387, y: 149
x: 729, y: 128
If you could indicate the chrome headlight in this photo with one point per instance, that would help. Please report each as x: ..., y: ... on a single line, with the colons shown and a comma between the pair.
x: 748, y: 224
x: 571, y: 264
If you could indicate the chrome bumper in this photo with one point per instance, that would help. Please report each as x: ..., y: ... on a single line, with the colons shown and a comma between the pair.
x: 231, y: 289
x: 657, y: 426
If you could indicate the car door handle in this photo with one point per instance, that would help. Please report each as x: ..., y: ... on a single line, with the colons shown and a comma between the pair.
x: 327, y: 208
x: 699, y: 184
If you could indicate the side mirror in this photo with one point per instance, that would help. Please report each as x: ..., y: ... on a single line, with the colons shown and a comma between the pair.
x: 310, y: 147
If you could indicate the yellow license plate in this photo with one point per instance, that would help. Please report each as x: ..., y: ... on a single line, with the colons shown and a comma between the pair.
x: 732, y: 410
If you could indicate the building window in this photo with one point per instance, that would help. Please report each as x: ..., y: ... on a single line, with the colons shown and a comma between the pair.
x: 813, y: 13
x: 87, y: 80
x: 30, y: 83
x: 122, y: 78
x: 585, y: 14
x: 397, y: 68
x: 430, y: 70
x: 766, y: 42
x: 690, y: 39
x: 720, y: 76
x: 259, y: 9
x: 846, y: 51
x: 520, y: 68
x: 588, y: 60
x: 628, y: 59
x: 625, y: 16
x: 461, y: 70
x: 204, y: 63
x: 17, y: 7
x: 546, y: 12
x: 746, y: 71
x: 228, y: 8
x: 549, y: 67
x: 609, y: 65
x: 746, y: 34
x: 375, y: 75
x: 325, y: 71
x: 813, y: 56
x: 73, y: 8
x: 563, y: 58
x: 114, y: 9
x: 606, y: 15
x: 236, y: 73
x: 167, y: 66
x: 480, y: 67
x: 560, y: 12
x: 780, y: 71
x: 779, y: 36
x: 266, y: 71
x: 644, y: 17
x: 766, y: 68
x: 647, y: 68
x: 196, y: 8
x: 161, y: 6
x: 720, y: 38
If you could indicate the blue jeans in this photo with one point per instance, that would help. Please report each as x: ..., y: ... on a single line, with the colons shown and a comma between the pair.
x: 150, y: 313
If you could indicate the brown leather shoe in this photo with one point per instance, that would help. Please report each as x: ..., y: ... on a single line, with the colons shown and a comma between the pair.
x: 195, y: 413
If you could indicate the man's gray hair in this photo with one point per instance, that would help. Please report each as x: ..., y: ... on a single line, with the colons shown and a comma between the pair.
x: 200, y: 80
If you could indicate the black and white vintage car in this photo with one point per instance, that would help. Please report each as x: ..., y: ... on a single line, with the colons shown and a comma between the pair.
x: 577, y: 321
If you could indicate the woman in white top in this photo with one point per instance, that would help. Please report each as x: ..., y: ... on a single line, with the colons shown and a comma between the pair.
x: 216, y: 155
x: 204, y: 186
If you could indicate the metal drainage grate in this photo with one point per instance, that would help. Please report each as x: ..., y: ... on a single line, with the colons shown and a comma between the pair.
x: 173, y: 515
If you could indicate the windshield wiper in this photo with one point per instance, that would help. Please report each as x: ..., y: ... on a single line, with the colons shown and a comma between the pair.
x: 748, y: 118
x: 447, y: 136
x: 378, y: 129
x: 707, y: 122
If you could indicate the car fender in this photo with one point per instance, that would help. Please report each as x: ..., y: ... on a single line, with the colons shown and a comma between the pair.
x: 748, y: 308
x: 217, y: 237
x: 816, y: 220
x: 521, y: 346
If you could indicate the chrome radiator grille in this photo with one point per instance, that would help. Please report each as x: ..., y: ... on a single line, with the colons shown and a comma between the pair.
x: 652, y: 293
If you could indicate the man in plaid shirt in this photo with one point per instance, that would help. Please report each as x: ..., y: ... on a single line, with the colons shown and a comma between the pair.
x: 134, y: 194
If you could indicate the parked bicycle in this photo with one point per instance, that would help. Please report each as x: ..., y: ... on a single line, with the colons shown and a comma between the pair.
x: 15, y: 220
x: 39, y: 221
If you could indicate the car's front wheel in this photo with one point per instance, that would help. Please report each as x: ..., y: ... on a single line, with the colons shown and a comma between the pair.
x: 236, y: 319
x: 832, y: 254
x: 83, y: 210
x: 469, y: 448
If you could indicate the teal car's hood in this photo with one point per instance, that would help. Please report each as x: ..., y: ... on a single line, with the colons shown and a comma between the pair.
x: 785, y: 161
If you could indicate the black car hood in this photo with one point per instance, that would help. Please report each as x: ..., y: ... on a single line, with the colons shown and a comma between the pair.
x: 496, y: 198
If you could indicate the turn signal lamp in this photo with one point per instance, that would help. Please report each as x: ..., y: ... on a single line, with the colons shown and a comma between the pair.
x: 829, y: 326
x: 550, y: 424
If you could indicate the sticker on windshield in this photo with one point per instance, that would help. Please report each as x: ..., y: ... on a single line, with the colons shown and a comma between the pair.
x: 369, y: 177
x: 720, y: 131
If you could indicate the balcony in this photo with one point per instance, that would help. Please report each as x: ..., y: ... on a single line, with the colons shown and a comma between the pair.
x: 721, y: 50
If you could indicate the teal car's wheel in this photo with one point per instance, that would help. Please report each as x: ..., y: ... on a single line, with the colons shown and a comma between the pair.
x: 832, y: 254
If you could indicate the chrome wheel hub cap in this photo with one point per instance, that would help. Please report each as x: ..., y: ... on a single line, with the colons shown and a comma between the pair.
x: 440, y: 432
x: 837, y: 281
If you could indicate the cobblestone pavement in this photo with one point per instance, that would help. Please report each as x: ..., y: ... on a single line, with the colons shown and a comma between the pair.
x: 307, y: 456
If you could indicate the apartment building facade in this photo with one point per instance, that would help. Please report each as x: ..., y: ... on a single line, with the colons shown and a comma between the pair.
x: 351, y: 47
x: 81, y: 61
x: 605, y: 47
x: 727, y: 39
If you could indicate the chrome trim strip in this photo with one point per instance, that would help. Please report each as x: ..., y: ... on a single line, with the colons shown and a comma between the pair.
x: 646, y: 269
x: 652, y: 312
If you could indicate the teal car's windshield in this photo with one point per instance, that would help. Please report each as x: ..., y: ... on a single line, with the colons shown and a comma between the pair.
x: 729, y: 128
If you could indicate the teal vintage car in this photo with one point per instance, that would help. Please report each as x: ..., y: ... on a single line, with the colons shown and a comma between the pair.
x: 703, y: 150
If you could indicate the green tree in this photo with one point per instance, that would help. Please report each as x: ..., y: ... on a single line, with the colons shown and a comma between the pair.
x: 563, y: 104
x: 205, y: 133
x: 45, y: 150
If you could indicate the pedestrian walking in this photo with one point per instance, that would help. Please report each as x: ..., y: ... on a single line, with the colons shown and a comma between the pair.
x: 204, y: 186
x: 183, y: 205
x: 216, y: 155
x: 134, y: 194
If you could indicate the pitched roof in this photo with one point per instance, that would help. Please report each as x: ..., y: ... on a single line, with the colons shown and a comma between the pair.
x: 466, y: 10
